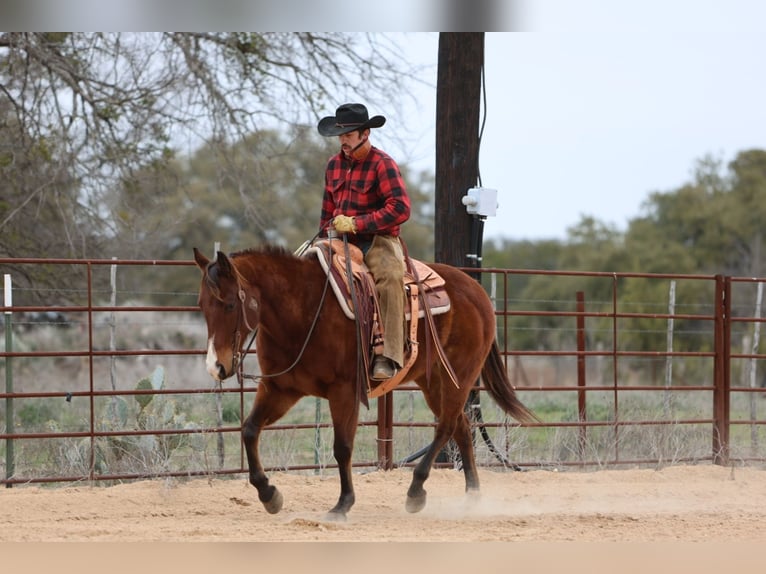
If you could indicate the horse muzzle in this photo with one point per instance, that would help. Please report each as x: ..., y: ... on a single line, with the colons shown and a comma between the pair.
x: 216, y: 368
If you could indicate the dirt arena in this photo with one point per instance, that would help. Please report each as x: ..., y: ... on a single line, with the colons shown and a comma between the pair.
x: 685, y: 503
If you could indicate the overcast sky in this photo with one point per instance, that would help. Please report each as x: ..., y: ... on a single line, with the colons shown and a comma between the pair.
x: 596, y: 104
x: 592, y: 110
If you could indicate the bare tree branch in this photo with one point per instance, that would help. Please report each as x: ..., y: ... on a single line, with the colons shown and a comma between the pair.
x: 86, y: 117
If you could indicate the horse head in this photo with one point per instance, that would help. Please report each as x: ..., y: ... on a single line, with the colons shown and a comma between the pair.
x: 230, y: 313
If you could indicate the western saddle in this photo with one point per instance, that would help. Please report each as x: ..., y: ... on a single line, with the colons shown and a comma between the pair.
x: 425, y: 293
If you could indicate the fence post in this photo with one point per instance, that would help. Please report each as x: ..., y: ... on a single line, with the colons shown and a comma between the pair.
x: 721, y: 375
x: 582, y: 412
x: 386, y: 431
x: 667, y: 406
x: 754, y: 366
x: 9, y: 426
x: 113, y: 326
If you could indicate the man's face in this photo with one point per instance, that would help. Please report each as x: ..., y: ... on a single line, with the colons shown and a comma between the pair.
x: 351, y: 140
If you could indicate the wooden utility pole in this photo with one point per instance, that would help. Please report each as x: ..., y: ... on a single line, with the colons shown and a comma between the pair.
x: 458, y: 105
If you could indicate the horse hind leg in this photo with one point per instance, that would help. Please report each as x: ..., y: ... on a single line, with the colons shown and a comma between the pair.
x: 447, y: 404
x: 464, y: 440
x: 416, y: 494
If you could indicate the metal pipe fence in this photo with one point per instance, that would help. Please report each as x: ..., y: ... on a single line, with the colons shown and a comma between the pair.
x: 112, y: 388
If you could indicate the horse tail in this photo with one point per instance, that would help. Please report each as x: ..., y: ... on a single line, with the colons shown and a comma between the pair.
x: 496, y: 381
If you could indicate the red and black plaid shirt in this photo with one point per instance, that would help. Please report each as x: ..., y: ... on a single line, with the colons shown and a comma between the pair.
x: 370, y: 190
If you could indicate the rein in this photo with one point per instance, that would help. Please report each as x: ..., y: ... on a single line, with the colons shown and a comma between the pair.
x: 360, y: 363
x: 239, y: 355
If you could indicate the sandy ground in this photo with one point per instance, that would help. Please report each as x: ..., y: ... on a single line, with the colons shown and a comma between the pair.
x: 685, y: 503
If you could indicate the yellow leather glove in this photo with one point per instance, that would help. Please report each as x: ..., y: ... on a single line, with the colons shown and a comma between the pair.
x: 344, y: 224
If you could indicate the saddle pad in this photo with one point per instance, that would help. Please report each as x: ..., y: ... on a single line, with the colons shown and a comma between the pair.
x: 433, y: 292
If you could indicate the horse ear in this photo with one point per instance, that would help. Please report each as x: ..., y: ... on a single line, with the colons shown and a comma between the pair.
x: 201, y: 260
x: 224, y: 263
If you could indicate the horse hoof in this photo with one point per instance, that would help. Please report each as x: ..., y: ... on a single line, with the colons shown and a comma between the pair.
x: 473, y: 496
x: 335, y: 516
x: 415, y: 503
x: 274, y: 504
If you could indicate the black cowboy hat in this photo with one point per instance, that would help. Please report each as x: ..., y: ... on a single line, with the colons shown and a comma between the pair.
x: 348, y: 118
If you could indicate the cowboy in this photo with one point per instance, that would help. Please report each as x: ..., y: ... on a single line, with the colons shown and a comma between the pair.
x: 365, y: 198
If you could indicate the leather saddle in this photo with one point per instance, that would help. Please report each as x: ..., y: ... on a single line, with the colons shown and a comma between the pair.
x: 332, y: 257
x: 424, y: 287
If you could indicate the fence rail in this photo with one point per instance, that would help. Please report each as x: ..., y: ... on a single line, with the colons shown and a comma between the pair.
x: 108, y: 390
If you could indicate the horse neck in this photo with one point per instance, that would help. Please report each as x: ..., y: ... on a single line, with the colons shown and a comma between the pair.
x: 281, y: 286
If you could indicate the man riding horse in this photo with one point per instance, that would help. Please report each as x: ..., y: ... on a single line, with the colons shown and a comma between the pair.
x: 365, y: 197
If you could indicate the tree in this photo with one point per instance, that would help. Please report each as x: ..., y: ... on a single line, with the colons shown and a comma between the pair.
x: 88, y: 115
x: 747, y: 210
x: 279, y: 181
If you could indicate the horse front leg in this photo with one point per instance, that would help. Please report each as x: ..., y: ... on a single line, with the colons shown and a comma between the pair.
x: 268, y: 494
x: 270, y: 405
x: 345, y: 416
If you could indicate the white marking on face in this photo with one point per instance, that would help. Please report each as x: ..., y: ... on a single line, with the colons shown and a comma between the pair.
x: 211, y: 361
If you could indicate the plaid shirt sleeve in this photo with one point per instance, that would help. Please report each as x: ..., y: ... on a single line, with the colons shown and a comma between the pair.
x: 372, y: 191
x: 333, y: 174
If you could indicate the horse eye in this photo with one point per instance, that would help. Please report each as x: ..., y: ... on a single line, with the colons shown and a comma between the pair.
x: 229, y: 306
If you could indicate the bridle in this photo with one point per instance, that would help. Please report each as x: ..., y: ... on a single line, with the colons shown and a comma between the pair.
x: 238, y: 355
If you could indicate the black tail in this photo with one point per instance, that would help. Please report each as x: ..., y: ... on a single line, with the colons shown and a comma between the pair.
x: 496, y: 381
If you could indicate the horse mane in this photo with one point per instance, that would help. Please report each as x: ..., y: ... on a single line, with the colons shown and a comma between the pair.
x: 266, y: 249
x: 276, y: 253
x: 280, y: 264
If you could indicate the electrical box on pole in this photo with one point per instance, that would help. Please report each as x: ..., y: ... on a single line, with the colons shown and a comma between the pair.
x: 481, y: 201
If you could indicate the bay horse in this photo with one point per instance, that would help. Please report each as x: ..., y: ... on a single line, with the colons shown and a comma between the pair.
x: 306, y: 346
